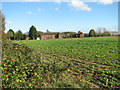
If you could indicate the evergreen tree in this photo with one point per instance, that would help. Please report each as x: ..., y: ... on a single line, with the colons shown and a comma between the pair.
x: 33, y: 32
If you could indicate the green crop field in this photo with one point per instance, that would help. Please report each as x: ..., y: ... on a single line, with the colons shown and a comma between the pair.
x: 80, y: 62
x: 61, y: 63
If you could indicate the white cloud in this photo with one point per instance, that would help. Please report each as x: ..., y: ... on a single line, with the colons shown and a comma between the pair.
x: 78, y: 5
x: 58, y: 1
x: 39, y: 9
x: 66, y: 0
x: 29, y: 12
x: 56, y: 9
x: 106, y: 1
x: 32, y: 0
x: 9, y: 22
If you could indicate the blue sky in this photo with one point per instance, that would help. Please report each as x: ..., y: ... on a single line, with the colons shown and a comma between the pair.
x: 60, y: 17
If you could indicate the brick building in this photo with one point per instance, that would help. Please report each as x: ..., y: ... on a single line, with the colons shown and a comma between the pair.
x: 50, y: 36
x: 78, y: 35
x: 56, y: 35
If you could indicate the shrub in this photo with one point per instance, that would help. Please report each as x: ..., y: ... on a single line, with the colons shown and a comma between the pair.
x: 19, y: 65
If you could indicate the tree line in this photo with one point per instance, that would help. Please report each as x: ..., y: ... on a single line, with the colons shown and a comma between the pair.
x: 33, y: 34
x: 92, y: 33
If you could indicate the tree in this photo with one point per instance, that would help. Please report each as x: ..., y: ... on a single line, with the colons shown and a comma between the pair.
x: 33, y: 32
x: 92, y: 33
x: 19, y: 35
x: 79, y: 32
x: 106, y: 33
x: 2, y: 26
x: 69, y: 34
x: 47, y: 31
x: 10, y: 34
x: 100, y: 34
x: 99, y: 31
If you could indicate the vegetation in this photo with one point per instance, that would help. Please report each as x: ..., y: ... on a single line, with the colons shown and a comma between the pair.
x: 60, y: 63
x: 33, y: 32
x: 18, y: 65
x: 79, y: 32
x: 68, y: 34
x: 106, y: 33
x: 84, y: 62
x: 92, y: 33
x: 10, y: 34
x: 2, y: 18
x: 19, y: 35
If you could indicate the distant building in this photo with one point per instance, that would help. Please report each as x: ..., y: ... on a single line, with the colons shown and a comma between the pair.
x: 26, y: 38
x: 47, y: 37
x: 114, y: 33
x: 78, y: 35
x: 55, y: 35
x: 81, y: 35
x: 50, y: 35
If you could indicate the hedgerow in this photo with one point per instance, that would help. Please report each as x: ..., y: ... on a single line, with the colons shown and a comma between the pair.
x: 23, y: 67
x: 19, y: 65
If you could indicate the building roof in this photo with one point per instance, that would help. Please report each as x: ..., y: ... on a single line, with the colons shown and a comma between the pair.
x: 50, y: 33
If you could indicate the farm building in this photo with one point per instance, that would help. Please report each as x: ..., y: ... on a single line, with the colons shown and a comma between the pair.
x: 50, y: 36
x: 47, y: 37
x: 78, y: 35
x: 56, y: 35
x: 26, y: 38
x: 114, y: 33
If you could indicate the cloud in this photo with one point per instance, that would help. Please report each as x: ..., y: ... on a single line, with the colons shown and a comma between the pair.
x: 32, y: 0
x: 39, y: 9
x: 9, y: 22
x: 66, y: 0
x: 78, y: 5
x: 58, y: 1
x: 56, y: 9
x: 106, y: 1
x: 29, y: 12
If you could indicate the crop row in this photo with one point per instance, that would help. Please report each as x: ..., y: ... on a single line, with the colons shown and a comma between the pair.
x: 88, y: 62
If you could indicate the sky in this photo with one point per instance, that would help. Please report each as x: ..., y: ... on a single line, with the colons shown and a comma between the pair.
x: 60, y: 16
